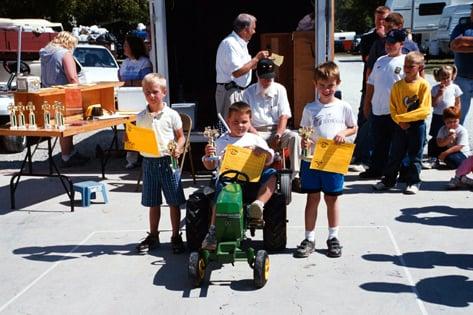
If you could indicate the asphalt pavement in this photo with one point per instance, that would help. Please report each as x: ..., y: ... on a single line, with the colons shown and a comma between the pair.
x: 401, y: 254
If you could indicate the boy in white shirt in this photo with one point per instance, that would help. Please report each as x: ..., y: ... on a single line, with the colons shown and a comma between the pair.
x: 330, y: 118
x: 239, y: 121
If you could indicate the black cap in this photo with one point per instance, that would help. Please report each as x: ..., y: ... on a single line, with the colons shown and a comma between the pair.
x: 265, y: 69
x: 395, y: 36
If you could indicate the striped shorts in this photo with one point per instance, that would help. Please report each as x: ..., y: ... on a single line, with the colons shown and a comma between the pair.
x: 158, y: 176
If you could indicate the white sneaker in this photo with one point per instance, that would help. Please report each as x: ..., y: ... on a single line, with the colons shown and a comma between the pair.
x: 466, y: 180
x: 412, y: 189
x: 356, y: 168
x: 454, y: 183
x: 255, y: 210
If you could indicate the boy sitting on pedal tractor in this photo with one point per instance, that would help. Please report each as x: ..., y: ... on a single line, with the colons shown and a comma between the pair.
x: 239, y: 121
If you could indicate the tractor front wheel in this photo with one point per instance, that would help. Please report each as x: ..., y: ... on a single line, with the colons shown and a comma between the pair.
x: 261, y: 268
x: 197, y: 267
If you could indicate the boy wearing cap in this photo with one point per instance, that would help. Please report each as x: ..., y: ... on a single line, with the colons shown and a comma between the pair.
x: 410, y: 104
x: 387, y: 70
x: 271, y: 111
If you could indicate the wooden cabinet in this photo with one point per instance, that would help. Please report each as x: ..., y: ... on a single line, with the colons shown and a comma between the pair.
x: 100, y: 93
x: 296, y: 72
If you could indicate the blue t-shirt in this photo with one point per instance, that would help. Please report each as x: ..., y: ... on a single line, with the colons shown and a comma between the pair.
x: 463, y: 61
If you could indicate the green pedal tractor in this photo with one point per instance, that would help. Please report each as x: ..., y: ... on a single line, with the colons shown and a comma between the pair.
x: 231, y: 225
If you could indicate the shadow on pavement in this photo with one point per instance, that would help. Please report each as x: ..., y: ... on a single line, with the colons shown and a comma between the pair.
x: 425, y: 260
x: 461, y: 218
x: 35, y: 190
x: 452, y: 290
x: 66, y: 252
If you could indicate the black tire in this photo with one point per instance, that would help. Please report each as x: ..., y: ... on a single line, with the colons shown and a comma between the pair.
x: 196, y: 269
x: 275, y: 223
x: 261, y: 268
x: 285, y: 185
x: 197, y: 219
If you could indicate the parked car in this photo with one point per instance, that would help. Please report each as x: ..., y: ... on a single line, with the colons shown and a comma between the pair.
x: 96, y: 63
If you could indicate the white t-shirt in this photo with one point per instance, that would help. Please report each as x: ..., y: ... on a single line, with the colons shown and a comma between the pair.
x: 461, y: 138
x: 328, y: 119
x: 232, y: 54
x: 267, y: 108
x: 164, y: 123
x: 448, y: 98
x: 247, y: 140
x: 386, y: 71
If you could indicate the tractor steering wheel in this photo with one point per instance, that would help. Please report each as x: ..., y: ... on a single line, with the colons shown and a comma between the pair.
x: 238, y: 177
x: 10, y: 67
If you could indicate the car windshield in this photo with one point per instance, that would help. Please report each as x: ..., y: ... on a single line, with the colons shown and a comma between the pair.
x: 93, y: 57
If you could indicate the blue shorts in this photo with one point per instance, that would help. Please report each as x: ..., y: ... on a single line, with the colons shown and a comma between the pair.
x: 314, y: 181
x: 250, y: 190
x: 158, y: 176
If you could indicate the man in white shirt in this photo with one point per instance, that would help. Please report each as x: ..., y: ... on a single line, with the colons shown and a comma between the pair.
x: 270, y: 112
x: 234, y: 63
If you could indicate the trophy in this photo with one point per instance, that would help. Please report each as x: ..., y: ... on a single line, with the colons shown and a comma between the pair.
x: 211, y: 135
x: 21, y: 116
x: 13, y: 121
x: 31, y: 115
x: 172, y: 145
x: 306, y: 133
x: 46, y: 114
x: 59, y: 115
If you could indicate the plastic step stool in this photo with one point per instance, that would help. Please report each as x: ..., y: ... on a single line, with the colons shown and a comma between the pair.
x: 88, y: 190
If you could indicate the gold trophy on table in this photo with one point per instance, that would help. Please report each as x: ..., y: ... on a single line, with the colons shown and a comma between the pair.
x: 46, y: 115
x: 172, y: 145
x: 59, y: 115
x: 21, y: 116
x: 211, y: 134
x: 31, y: 115
x: 306, y: 133
x: 13, y: 119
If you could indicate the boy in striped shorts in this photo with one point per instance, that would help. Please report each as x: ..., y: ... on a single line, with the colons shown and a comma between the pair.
x: 158, y: 173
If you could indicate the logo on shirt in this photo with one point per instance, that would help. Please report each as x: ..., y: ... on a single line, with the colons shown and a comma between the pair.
x: 397, y: 70
x: 411, y: 103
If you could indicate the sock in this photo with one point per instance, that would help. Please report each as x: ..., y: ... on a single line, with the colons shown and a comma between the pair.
x: 212, y: 229
x: 332, y: 232
x: 310, y: 235
x: 259, y: 203
x: 66, y: 157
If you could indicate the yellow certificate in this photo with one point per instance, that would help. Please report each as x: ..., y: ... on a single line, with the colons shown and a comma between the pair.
x: 140, y: 139
x: 243, y: 160
x: 332, y: 157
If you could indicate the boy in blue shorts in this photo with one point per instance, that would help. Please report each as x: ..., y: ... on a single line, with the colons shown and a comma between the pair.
x: 330, y: 118
x: 239, y: 122
x: 158, y: 173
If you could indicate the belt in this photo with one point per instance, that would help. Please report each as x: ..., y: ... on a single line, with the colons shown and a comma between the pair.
x: 267, y: 128
x: 231, y: 85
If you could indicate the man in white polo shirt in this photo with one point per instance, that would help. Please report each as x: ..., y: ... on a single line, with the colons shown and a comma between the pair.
x: 270, y: 112
x: 234, y: 63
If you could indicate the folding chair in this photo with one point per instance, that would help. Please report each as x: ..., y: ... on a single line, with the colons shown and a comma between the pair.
x: 186, y: 127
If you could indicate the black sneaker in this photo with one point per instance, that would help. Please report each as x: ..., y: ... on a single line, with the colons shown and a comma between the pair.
x: 149, y: 243
x: 334, y: 248
x: 76, y: 160
x: 305, y: 249
x: 369, y: 175
x: 177, y: 244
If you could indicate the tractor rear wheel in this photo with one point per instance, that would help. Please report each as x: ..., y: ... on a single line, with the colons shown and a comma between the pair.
x: 275, y: 223
x: 261, y: 268
x: 196, y: 268
x: 197, y: 219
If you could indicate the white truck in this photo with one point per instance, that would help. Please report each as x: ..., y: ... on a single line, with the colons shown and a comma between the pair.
x: 423, y: 18
x: 452, y: 15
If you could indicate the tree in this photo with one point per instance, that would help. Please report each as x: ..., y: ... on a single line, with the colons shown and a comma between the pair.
x: 355, y: 15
